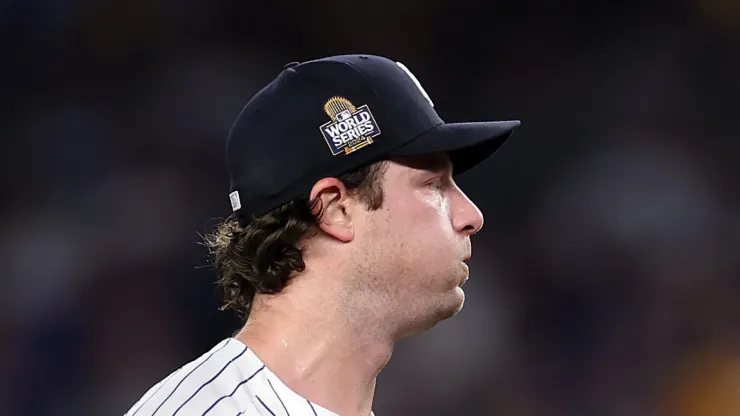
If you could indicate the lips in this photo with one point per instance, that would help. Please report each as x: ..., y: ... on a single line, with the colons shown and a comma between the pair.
x: 467, y: 274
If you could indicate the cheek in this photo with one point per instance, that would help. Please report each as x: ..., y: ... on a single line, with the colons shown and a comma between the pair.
x: 409, y: 232
x: 435, y: 202
x: 419, y: 233
x: 422, y: 212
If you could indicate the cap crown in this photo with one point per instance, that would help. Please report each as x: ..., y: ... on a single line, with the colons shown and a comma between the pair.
x: 321, y: 118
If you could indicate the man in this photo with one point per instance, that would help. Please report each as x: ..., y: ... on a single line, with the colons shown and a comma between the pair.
x: 348, y: 234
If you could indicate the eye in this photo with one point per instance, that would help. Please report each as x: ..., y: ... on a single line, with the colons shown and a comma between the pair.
x: 436, y: 183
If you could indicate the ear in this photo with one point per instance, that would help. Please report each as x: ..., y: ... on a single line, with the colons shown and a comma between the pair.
x: 332, y: 208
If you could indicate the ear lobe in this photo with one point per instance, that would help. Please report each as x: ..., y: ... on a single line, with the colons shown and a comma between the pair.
x: 333, y: 214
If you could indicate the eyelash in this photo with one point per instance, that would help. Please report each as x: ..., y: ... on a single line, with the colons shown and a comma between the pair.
x: 436, y: 183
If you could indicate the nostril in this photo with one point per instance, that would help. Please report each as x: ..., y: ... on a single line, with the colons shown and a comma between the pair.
x: 471, y: 230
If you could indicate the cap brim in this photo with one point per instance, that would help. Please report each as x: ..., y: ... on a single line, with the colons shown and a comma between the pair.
x: 467, y: 144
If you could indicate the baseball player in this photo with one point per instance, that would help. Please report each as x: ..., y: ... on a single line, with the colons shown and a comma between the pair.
x: 348, y: 233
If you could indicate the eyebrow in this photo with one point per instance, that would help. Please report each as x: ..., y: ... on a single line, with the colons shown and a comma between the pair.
x: 437, y: 164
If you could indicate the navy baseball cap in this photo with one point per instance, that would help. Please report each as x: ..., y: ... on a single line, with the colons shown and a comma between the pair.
x: 326, y: 117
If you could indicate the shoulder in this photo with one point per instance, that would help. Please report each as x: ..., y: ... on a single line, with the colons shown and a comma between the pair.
x: 216, y: 382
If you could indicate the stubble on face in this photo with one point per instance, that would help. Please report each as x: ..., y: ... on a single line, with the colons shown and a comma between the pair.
x: 408, y: 270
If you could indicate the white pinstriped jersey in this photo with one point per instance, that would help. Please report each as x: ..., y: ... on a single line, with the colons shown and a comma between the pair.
x: 227, y: 380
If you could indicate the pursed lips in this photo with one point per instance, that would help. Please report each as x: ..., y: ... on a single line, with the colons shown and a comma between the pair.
x: 467, y: 270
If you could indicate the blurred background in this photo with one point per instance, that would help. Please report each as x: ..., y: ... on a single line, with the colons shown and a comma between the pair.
x: 606, y: 281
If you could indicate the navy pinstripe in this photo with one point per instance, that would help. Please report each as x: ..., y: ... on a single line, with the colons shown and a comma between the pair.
x: 235, y: 389
x: 264, y: 405
x: 187, y: 375
x: 209, y: 381
x: 312, y: 409
x: 155, y: 391
x: 278, y: 396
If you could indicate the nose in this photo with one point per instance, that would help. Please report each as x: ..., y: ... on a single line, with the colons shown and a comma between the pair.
x: 467, y: 218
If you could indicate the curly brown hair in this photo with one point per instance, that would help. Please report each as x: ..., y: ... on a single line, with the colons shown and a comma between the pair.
x: 262, y: 256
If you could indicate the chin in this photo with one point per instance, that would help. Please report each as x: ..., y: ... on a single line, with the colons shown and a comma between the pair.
x: 451, y: 304
x: 460, y: 300
x: 447, y: 307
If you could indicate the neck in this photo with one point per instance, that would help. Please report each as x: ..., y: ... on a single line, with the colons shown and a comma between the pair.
x: 320, y: 357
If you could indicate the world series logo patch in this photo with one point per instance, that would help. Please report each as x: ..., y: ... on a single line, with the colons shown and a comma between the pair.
x: 351, y: 128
